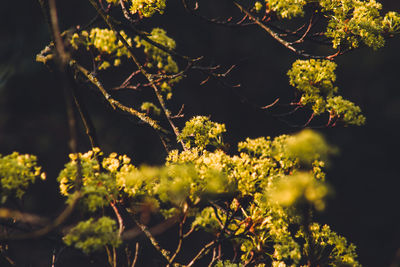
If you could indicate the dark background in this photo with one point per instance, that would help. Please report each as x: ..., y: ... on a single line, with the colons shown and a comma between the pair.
x: 365, y: 175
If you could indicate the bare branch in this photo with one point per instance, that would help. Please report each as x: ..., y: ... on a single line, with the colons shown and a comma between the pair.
x: 136, y: 255
x: 275, y: 35
x: 271, y: 105
x: 50, y: 227
x: 153, y: 241
x: 119, y: 218
x: 114, y: 103
x: 202, y: 252
x: 220, y: 22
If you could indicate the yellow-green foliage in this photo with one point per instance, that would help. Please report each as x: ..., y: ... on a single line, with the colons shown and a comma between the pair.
x: 150, y: 107
x: 147, y: 8
x: 113, y: 1
x: 100, y: 184
x: 201, y: 132
x: 313, y: 76
x: 341, y: 253
x: 354, y: 21
x: 301, y: 187
x: 391, y: 23
x: 228, y: 263
x: 258, y: 6
x: 278, y: 177
x: 261, y: 197
x: 345, y: 110
x: 308, y: 146
x: 93, y: 235
x: 349, y: 22
x: 16, y: 173
x: 159, y: 59
x: 175, y: 184
x: 268, y: 226
x: 287, y: 9
x: 207, y: 219
x: 268, y: 171
x: 314, y: 79
x: 105, y: 43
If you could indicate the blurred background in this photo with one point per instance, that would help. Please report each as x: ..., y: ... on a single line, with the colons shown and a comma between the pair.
x: 365, y: 175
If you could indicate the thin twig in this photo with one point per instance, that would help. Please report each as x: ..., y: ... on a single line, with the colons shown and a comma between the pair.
x: 114, y: 103
x: 310, y: 24
x: 202, y: 252
x: 53, y: 258
x: 126, y: 13
x: 153, y: 241
x: 155, y: 230
x: 214, y: 257
x: 189, y: 232
x: 6, y: 257
x: 275, y: 35
x: 109, y: 257
x: 181, y: 237
x: 226, y: 23
x: 114, y: 257
x: 86, y: 120
x: 271, y: 105
x: 119, y: 218
x: 136, y: 255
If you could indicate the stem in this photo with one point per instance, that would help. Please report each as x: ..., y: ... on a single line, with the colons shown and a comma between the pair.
x: 86, y: 120
x: 114, y: 103
x: 214, y: 257
x: 136, y: 254
x: 119, y: 218
x: 114, y: 257
x: 181, y: 237
x: 202, y: 252
x: 307, y: 218
x: 153, y: 241
x: 275, y: 35
x: 109, y: 256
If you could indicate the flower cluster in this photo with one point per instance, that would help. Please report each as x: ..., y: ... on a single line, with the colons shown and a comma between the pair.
x: 314, y: 80
x: 147, y: 8
x: 349, y: 22
x: 353, y: 22
x: 201, y: 132
x: 105, y: 43
x: 17, y: 172
x: 150, y: 107
x: 287, y: 9
x: 341, y: 253
x: 93, y: 235
x: 159, y: 59
x: 100, y: 184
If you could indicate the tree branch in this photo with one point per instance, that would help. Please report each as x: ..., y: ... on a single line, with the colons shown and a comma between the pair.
x: 276, y: 36
x: 167, y: 113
